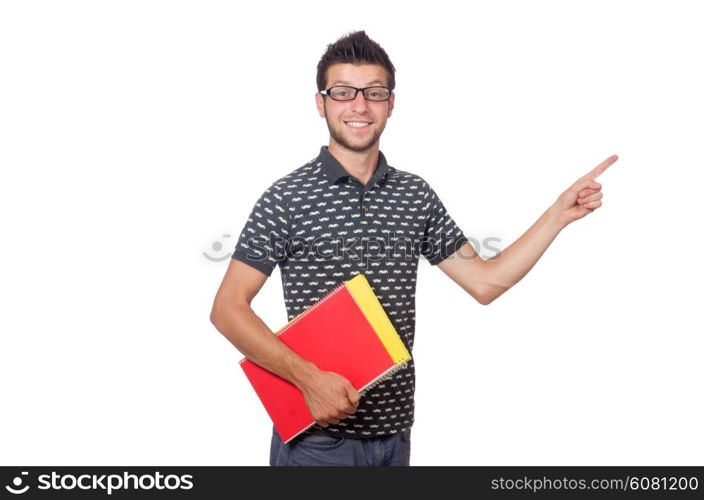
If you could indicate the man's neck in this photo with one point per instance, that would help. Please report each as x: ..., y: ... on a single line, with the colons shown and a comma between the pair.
x: 359, y: 164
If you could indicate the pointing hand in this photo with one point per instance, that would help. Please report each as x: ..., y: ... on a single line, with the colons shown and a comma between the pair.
x: 582, y: 197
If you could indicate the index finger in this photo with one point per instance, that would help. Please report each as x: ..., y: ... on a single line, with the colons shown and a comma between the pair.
x: 599, y: 169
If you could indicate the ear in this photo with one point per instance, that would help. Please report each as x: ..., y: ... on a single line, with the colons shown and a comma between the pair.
x: 391, y: 104
x: 320, y: 104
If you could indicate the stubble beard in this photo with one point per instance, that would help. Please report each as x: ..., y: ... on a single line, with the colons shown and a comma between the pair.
x: 342, y: 141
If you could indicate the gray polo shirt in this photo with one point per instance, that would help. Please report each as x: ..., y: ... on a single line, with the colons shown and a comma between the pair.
x: 322, y: 227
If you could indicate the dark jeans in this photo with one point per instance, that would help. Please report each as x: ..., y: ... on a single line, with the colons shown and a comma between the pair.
x: 314, y: 449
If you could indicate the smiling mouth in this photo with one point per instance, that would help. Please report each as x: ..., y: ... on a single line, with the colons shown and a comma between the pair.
x: 358, y: 125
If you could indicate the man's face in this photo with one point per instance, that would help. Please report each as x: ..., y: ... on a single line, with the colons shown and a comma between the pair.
x: 344, y: 117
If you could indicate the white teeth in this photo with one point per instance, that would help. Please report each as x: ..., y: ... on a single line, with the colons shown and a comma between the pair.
x: 357, y: 124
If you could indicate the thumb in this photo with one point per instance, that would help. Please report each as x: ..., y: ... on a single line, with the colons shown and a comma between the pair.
x: 352, y: 395
x: 584, y: 184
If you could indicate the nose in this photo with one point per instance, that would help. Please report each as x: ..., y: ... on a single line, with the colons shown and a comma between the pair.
x: 359, y: 103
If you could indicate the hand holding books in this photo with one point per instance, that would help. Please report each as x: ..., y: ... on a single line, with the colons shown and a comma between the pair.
x: 329, y: 397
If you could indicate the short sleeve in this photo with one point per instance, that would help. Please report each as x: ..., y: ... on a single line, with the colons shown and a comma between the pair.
x: 261, y: 243
x: 441, y: 237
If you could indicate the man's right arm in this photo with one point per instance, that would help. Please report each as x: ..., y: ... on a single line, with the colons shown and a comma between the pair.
x: 329, y: 396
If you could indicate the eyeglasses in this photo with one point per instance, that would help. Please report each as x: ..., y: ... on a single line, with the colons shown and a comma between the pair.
x: 344, y: 93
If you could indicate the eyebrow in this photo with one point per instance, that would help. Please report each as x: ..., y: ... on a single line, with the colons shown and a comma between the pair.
x: 370, y: 84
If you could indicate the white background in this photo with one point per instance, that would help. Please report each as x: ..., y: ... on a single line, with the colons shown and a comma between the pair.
x: 135, y: 134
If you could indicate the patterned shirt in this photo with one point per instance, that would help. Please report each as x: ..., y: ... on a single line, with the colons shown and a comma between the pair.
x: 323, y: 227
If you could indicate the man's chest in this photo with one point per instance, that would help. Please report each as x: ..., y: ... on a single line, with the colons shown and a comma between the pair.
x: 348, y: 222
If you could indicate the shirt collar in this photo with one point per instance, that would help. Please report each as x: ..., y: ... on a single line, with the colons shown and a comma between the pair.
x: 334, y: 171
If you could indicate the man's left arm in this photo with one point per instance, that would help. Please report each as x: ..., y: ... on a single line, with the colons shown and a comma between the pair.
x: 486, y: 280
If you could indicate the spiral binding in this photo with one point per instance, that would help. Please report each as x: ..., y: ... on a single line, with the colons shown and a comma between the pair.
x: 384, y: 377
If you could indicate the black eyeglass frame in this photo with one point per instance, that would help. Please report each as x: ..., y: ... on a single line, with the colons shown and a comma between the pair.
x: 356, y: 90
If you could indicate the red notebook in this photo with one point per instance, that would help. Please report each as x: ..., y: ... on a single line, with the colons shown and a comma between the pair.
x: 346, y: 332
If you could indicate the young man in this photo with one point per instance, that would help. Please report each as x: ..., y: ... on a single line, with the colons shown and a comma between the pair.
x: 346, y: 212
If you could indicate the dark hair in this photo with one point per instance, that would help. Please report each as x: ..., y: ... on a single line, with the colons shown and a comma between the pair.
x: 355, y: 48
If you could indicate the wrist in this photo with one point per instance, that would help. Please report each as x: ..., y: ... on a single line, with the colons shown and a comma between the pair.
x: 303, y: 372
x: 554, y: 217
